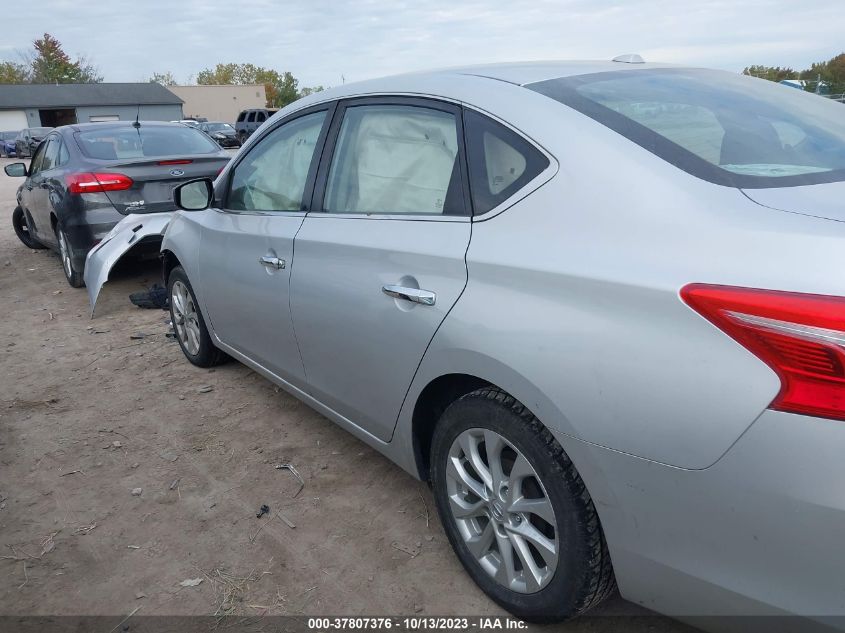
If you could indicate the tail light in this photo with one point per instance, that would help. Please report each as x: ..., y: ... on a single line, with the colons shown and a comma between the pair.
x: 800, y: 336
x: 97, y: 183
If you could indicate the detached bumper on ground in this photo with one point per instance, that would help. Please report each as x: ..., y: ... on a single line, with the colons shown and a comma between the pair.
x: 127, y: 234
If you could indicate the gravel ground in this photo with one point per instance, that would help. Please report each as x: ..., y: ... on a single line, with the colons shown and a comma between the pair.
x: 89, y: 413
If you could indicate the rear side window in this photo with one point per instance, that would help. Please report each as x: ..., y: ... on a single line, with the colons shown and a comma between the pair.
x: 51, y: 154
x: 112, y: 143
x: 260, y: 116
x: 395, y: 159
x: 251, y: 118
x: 500, y: 161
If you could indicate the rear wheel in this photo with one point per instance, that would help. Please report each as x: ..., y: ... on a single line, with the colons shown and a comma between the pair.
x: 21, y: 227
x: 73, y: 276
x: 188, y: 324
x: 516, y: 511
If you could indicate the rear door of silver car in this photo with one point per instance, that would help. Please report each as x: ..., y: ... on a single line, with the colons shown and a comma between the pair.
x: 381, y: 258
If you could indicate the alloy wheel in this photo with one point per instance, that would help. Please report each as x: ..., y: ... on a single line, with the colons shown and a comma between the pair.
x: 185, y: 317
x: 64, y: 251
x: 502, y: 510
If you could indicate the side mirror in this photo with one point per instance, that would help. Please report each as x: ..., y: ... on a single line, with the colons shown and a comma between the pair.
x: 194, y: 195
x: 15, y: 170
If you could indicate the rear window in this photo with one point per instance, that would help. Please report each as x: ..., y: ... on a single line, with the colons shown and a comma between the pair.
x: 725, y: 128
x: 113, y: 143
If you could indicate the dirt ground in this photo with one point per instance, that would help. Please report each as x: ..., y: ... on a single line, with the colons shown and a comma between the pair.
x: 88, y: 413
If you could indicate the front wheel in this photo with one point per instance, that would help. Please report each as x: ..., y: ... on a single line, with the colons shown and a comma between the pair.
x: 516, y: 511
x: 188, y: 324
x: 21, y: 227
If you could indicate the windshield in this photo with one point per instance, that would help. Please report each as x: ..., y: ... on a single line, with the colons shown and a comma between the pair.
x: 220, y: 127
x: 39, y: 131
x: 725, y: 128
x: 147, y: 141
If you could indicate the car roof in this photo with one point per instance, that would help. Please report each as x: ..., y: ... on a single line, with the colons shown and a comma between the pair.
x: 452, y: 82
x: 522, y: 73
x: 83, y: 127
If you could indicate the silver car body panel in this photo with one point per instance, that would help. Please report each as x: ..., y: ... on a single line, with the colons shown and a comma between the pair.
x: 344, y: 320
x: 123, y: 237
x: 819, y: 201
x: 231, y: 277
x: 711, y: 503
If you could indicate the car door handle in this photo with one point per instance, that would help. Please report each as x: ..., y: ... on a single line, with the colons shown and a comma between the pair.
x: 414, y: 295
x: 272, y: 262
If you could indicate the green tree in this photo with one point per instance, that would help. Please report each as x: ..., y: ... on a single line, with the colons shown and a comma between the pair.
x: 310, y: 90
x: 50, y: 64
x: 12, y: 73
x: 831, y: 73
x: 281, y: 88
x: 165, y: 79
x: 772, y: 73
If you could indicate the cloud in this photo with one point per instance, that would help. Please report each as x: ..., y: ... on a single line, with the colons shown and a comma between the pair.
x: 320, y: 41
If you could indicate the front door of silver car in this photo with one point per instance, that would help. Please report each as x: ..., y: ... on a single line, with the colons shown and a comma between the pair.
x: 247, y: 246
x: 380, y: 261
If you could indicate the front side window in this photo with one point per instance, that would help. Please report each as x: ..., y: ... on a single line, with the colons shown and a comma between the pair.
x: 395, y: 159
x: 500, y: 161
x: 273, y: 176
x: 724, y: 128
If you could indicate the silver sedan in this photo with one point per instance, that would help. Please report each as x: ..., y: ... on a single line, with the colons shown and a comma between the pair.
x: 598, y: 305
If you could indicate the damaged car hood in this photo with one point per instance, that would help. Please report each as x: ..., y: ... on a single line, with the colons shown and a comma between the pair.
x: 125, y: 235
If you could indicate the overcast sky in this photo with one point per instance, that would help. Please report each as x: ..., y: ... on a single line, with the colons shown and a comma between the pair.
x: 320, y: 41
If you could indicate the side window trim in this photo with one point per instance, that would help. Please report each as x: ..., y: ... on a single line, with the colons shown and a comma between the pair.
x: 221, y: 193
x: 321, y: 185
x: 532, y: 185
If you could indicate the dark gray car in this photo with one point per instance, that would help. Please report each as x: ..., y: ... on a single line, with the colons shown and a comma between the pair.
x: 84, y: 178
x: 250, y: 120
x: 222, y: 133
x: 28, y: 139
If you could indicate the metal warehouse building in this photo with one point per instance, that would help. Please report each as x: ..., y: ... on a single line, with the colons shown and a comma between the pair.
x: 51, y: 105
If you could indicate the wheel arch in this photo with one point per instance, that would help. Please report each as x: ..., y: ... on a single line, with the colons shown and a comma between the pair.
x: 433, y: 400
x: 437, y: 385
x: 169, y: 261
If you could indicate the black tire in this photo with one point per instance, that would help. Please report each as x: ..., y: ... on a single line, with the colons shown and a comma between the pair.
x: 242, y: 137
x: 207, y: 355
x: 22, y: 230
x: 73, y: 276
x: 583, y: 576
